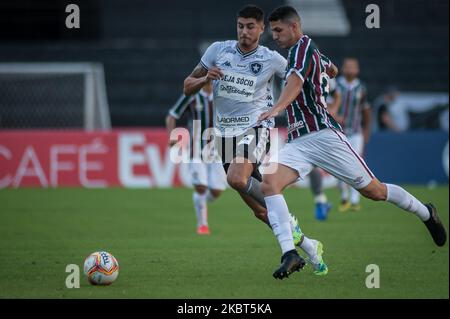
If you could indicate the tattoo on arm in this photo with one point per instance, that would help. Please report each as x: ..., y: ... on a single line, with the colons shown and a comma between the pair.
x: 199, y: 71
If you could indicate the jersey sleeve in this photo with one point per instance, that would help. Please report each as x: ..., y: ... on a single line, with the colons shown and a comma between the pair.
x: 279, y: 64
x: 208, y: 59
x: 301, y: 59
x: 180, y: 106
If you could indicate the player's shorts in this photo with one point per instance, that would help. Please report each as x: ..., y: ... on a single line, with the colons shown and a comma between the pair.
x: 356, y: 140
x: 329, y: 150
x: 211, y: 175
x: 252, y: 145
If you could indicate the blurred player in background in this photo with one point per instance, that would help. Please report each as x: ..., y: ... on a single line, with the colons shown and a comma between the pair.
x: 243, y: 72
x: 322, y: 205
x: 316, y: 139
x: 208, y: 177
x: 354, y: 115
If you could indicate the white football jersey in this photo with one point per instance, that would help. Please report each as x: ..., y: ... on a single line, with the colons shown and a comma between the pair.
x: 245, y: 91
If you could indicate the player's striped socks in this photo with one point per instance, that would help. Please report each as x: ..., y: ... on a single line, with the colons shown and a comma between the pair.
x: 201, y: 209
x: 279, y: 218
x: 398, y: 196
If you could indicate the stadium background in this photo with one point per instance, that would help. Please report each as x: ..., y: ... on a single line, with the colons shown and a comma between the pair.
x: 145, y: 50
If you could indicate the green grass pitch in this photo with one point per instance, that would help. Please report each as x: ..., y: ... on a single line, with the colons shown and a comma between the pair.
x: 152, y: 234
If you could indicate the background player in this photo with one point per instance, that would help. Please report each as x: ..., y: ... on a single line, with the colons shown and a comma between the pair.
x: 208, y: 177
x: 354, y: 115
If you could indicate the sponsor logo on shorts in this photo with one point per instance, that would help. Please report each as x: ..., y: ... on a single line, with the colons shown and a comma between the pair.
x: 233, y: 120
x: 358, y: 180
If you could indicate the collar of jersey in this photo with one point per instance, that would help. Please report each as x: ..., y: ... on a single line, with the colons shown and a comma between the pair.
x: 248, y: 53
x: 299, y: 40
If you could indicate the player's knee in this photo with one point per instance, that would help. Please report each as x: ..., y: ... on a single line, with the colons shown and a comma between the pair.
x: 237, y: 182
x: 215, y: 192
x: 376, y: 193
x: 201, y: 189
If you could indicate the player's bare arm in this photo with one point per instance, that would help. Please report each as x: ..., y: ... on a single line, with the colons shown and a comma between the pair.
x: 366, y: 124
x: 332, y: 71
x: 333, y: 107
x: 293, y: 87
x: 199, y: 77
x: 171, y: 123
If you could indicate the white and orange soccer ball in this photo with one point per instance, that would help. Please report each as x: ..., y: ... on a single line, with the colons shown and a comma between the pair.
x: 101, y: 268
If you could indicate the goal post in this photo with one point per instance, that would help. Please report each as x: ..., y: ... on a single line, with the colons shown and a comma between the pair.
x: 53, y: 95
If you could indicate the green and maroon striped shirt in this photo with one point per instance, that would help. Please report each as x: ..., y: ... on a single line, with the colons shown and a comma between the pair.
x: 200, y: 107
x: 353, y: 102
x: 308, y: 112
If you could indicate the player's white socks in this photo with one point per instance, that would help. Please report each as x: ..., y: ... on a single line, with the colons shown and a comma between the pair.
x: 398, y: 196
x: 354, y: 196
x: 307, y: 246
x: 344, y: 190
x: 279, y: 219
x: 201, y: 209
x: 322, y: 198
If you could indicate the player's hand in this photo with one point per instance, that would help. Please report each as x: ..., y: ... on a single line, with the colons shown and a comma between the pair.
x: 214, y: 73
x: 273, y: 112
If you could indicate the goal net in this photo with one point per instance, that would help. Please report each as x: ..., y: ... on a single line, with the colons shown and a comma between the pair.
x: 53, y: 95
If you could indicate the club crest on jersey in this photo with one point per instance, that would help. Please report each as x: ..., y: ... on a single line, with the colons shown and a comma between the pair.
x: 256, y: 67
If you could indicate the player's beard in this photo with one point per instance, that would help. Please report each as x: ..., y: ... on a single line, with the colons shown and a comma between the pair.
x: 246, y: 43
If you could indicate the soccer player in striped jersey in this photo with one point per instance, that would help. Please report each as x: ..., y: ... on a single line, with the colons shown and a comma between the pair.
x: 208, y: 177
x: 354, y: 117
x: 316, y: 139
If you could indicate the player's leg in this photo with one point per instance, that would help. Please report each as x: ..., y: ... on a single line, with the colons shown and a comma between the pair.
x: 279, y: 217
x: 300, y: 165
x: 217, y: 181
x: 199, y: 181
x: 322, y: 206
x: 357, y: 143
x: 344, y: 190
x: 401, y: 198
x: 335, y: 154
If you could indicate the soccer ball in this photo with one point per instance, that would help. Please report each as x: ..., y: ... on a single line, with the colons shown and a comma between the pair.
x: 101, y: 268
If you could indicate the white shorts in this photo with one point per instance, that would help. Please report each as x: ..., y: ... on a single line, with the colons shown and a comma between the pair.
x: 329, y: 150
x: 357, y: 142
x: 211, y: 175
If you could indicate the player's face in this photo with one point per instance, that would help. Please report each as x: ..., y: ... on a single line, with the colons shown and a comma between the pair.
x: 350, y: 69
x: 249, y: 31
x: 283, y: 33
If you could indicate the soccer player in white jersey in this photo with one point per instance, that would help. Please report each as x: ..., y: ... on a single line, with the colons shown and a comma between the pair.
x: 208, y: 177
x: 354, y: 116
x: 316, y: 139
x: 242, y: 73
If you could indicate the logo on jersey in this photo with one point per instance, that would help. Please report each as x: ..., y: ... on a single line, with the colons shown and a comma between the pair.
x: 227, y: 63
x: 256, y: 67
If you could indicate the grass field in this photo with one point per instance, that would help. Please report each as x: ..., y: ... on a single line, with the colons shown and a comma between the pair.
x: 152, y: 234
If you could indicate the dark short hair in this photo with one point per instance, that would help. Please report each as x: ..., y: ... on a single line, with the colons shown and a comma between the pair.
x: 251, y: 11
x: 283, y: 13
